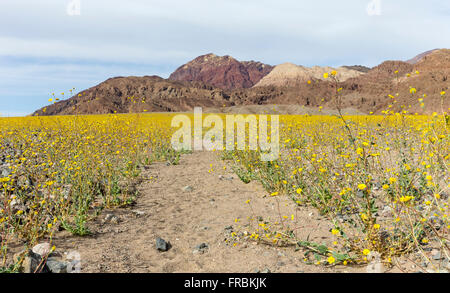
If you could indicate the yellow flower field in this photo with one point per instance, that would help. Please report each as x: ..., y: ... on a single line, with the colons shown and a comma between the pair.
x: 382, y: 181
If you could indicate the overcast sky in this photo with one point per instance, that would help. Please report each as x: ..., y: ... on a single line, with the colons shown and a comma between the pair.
x: 46, y: 47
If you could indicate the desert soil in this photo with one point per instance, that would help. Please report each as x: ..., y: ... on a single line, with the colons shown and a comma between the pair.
x: 189, y: 218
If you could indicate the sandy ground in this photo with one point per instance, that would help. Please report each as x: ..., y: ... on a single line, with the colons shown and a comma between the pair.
x: 279, y: 109
x: 187, y: 219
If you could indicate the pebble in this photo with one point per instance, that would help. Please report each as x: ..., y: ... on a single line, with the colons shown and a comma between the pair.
x: 42, y: 249
x: 201, y: 248
x: 162, y: 245
x: 187, y: 188
x: 387, y: 211
x: 139, y: 213
x: 222, y: 177
x: 112, y: 219
x: 437, y: 255
x: 5, y: 171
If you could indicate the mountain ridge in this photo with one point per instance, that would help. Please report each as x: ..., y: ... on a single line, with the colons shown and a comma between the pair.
x: 364, y: 91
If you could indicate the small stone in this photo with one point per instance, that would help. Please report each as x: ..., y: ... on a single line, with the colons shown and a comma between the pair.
x: 187, y: 189
x: 387, y: 211
x: 201, y: 248
x: 437, y: 255
x: 33, y: 263
x: 139, y: 213
x: 5, y: 171
x: 265, y: 271
x: 112, y: 219
x: 24, y: 182
x: 66, y: 191
x: 446, y: 263
x: 222, y: 177
x: 162, y: 245
x: 56, y: 267
x: 228, y: 229
x: 42, y: 249
x: 16, y: 206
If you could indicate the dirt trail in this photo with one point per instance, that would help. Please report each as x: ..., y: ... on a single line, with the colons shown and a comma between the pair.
x: 189, y: 218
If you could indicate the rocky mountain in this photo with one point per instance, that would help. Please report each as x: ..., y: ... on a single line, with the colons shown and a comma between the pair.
x: 222, y: 71
x: 286, y: 84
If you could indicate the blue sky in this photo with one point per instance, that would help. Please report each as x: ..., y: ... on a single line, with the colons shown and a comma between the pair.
x: 43, y: 49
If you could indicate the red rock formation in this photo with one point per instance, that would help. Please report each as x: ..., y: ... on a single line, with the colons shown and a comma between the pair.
x: 222, y: 71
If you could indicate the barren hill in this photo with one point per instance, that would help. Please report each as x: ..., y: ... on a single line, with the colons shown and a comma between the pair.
x: 137, y: 94
x: 289, y: 74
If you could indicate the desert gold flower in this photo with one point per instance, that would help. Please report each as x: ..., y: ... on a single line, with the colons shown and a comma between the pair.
x: 362, y: 186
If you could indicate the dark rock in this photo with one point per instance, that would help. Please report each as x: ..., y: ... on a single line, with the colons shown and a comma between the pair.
x: 33, y: 263
x: 162, y: 245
